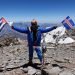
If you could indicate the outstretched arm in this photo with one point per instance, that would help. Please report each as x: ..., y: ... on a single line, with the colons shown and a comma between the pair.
x: 48, y: 29
x: 18, y: 28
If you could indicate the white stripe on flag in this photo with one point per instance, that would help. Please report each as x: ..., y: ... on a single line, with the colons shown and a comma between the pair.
x: 0, y: 21
x: 2, y: 25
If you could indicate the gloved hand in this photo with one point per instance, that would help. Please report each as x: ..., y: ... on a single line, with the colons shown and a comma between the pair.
x: 10, y: 24
x: 55, y: 27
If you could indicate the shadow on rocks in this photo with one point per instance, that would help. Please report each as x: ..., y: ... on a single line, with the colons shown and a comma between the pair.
x: 34, y: 65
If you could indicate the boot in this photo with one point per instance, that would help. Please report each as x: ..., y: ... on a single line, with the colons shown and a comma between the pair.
x: 30, y: 63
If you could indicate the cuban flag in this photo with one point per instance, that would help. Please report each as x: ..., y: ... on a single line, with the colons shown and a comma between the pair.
x: 68, y: 23
x: 2, y: 23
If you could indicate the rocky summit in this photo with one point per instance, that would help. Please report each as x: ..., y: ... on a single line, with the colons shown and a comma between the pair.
x: 59, y: 59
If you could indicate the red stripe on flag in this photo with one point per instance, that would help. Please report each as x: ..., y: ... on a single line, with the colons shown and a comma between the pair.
x: 67, y: 21
x: 3, y: 20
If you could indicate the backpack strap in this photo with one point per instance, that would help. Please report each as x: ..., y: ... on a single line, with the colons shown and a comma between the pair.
x: 29, y: 28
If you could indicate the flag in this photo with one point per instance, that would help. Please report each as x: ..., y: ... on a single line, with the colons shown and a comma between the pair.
x: 2, y: 23
x: 68, y: 23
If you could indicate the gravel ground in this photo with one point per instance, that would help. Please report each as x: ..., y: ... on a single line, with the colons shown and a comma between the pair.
x: 59, y: 59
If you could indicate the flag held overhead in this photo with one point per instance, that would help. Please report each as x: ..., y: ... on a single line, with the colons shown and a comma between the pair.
x: 68, y: 23
x: 2, y: 23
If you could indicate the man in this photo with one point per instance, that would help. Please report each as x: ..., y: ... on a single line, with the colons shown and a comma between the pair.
x: 34, y: 38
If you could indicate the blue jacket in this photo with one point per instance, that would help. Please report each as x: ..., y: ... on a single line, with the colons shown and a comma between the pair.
x: 30, y: 34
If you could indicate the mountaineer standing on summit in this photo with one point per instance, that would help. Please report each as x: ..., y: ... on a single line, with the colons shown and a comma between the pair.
x: 34, y: 38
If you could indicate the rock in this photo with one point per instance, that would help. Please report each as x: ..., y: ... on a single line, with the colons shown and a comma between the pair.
x: 54, y: 71
x: 25, y: 70
x: 38, y: 73
x: 10, y: 66
x: 15, y: 72
x: 1, y: 70
x: 31, y: 70
x: 72, y: 61
x: 2, y: 74
x: 60, y: 60
x: 9, y: 41
x: 66, y: 73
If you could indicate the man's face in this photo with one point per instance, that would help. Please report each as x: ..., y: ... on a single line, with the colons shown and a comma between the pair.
x: 33, y: 24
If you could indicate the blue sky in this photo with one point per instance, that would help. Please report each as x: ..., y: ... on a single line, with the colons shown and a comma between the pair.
x: 42, y: 10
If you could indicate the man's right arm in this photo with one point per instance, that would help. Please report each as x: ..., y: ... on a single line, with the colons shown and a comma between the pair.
x: 19, y: 29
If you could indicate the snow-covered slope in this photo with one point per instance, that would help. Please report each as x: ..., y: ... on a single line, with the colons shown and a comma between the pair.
x: 57, y: 36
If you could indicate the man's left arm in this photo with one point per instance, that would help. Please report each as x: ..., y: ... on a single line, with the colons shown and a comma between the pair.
x: 48, y: 29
